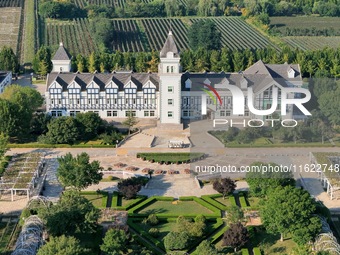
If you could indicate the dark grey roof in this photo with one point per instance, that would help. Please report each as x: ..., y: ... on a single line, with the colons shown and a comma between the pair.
x: 169, y: 46
x: 62, y: 54
x: 120, y: 79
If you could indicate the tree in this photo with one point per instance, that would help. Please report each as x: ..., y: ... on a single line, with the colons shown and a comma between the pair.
x: 42, y: 61
x: 224, y: 186
x: 176, y: 241
x: 3, y: 144
x: 130, y: 121
x: 234, y: 214
x: 130, y: 187
x: 8, y: 60
x: 206, y: 248
x: 290, y: 210
x: 204, y: 34
x: 93, y: 62
x: 115, y: 242
x: 264, y: 178
x: 9, y: 118
x: 26, y: 100
x: 329, y: 104
x: 62, y: 130
x: 78, y: 172
x: 236, y: 236
x: 62, y: 245
x: 89, y: 125
x: 72, y: 214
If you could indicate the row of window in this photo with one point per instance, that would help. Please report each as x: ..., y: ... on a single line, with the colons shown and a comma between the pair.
x: 108, y: 91
x: 128, y: 113
x: 227, y: 113
x: 107, y: 101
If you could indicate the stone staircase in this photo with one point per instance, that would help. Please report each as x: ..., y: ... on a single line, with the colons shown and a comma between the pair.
x: 139, y: 140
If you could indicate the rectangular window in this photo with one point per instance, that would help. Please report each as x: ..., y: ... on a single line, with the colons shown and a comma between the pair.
x: 55, y: 91
x: 246, y: 113
x: 130, y: 91
x: 146, y: 114
x: 96, y: 101
x: 185, y: 113
x: 222, y: 113
x: 59, y: 113
x: 54, y: 113
x: 52, y: 101
x: 170, y: 114
x: 170, y: 101
x: 89, y: 101
x: 72, y: 113
x: 111, y: 91
x: 108, y: 101
x: 227, y: 113
x: 114, y: 113
x: 130, y: 113
x: 93, y: 91
x: 78, y: 101
x: 170, y: 89
x: 74, y: 91
x: 152, y: 113
x: 109, y: 113
x: 96, y: 112
x: 149, y: 91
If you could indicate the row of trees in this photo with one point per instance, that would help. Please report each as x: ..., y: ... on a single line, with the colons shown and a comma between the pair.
x: 318, y: 63
x: 8, y: 60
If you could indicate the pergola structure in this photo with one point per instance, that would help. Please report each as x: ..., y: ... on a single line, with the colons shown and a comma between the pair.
x: 22, y: 174
x: 30, y: 238
x: 327, y: 165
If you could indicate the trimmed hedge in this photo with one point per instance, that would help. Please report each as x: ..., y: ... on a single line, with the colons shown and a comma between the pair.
x: 245, y: 251
x: 114, y: 202
x: 133, y: 210
x: 146, y: 244
x: 43, y: 145
x: 170, y: 157
x: 145, y: 234
x: 232, y: 200
x: 210, y: 200
x: 243, y: 202
x: 256, y: 251
x: 105, y: 195
x: 219, y: 233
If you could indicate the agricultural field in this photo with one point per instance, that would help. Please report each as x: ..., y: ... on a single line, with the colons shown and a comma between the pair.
x: 9, y: 26
x: 305, y: 22
x: 237, y: 34
x: 312, y: 42
x: 74, y: 34
x: 11, y: 3
x: 116, y: 3
x: 148, y: 34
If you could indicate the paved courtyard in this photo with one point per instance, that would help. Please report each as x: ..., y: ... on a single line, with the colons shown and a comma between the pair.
x: 178, y: 184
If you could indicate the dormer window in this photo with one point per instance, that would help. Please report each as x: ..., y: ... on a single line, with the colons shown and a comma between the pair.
x: 243, y: 83
x: 188, y: 84
x: 291, y: 73
x: 206, y: 81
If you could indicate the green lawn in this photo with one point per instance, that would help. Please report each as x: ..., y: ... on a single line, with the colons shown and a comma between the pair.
x: 182, y: 207
x: 96, y: 200
x: 124, y: 202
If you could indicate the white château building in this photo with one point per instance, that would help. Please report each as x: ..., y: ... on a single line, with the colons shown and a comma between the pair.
x: 168, y: 95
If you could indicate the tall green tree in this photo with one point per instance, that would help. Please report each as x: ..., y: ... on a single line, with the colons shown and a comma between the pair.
x: 3, y: 144
x: 264, y: 178
x: 206, y: 248
x: 8, y: 60
x: 291, y: 210
x: 204, y: 34
x: 77, y: 172
x: 115, y: 242
x: 72, y: 214
x: 62, y: 245
x: 62, y: 130
x: 26, y: 100
x: 90, y: 124
x: 42, y: 61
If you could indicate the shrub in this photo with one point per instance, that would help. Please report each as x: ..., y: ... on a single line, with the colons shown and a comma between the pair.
x: 232, y: 200
x: 152, y: 220
x: 176, y: 241
x: 154, y: 232
x: 243, y: 202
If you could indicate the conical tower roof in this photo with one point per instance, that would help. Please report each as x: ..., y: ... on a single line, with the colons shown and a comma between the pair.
x: 169, y: 46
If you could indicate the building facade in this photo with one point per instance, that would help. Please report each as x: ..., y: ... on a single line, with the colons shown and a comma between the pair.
x: 169, y: 95
x: 5, y: 80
